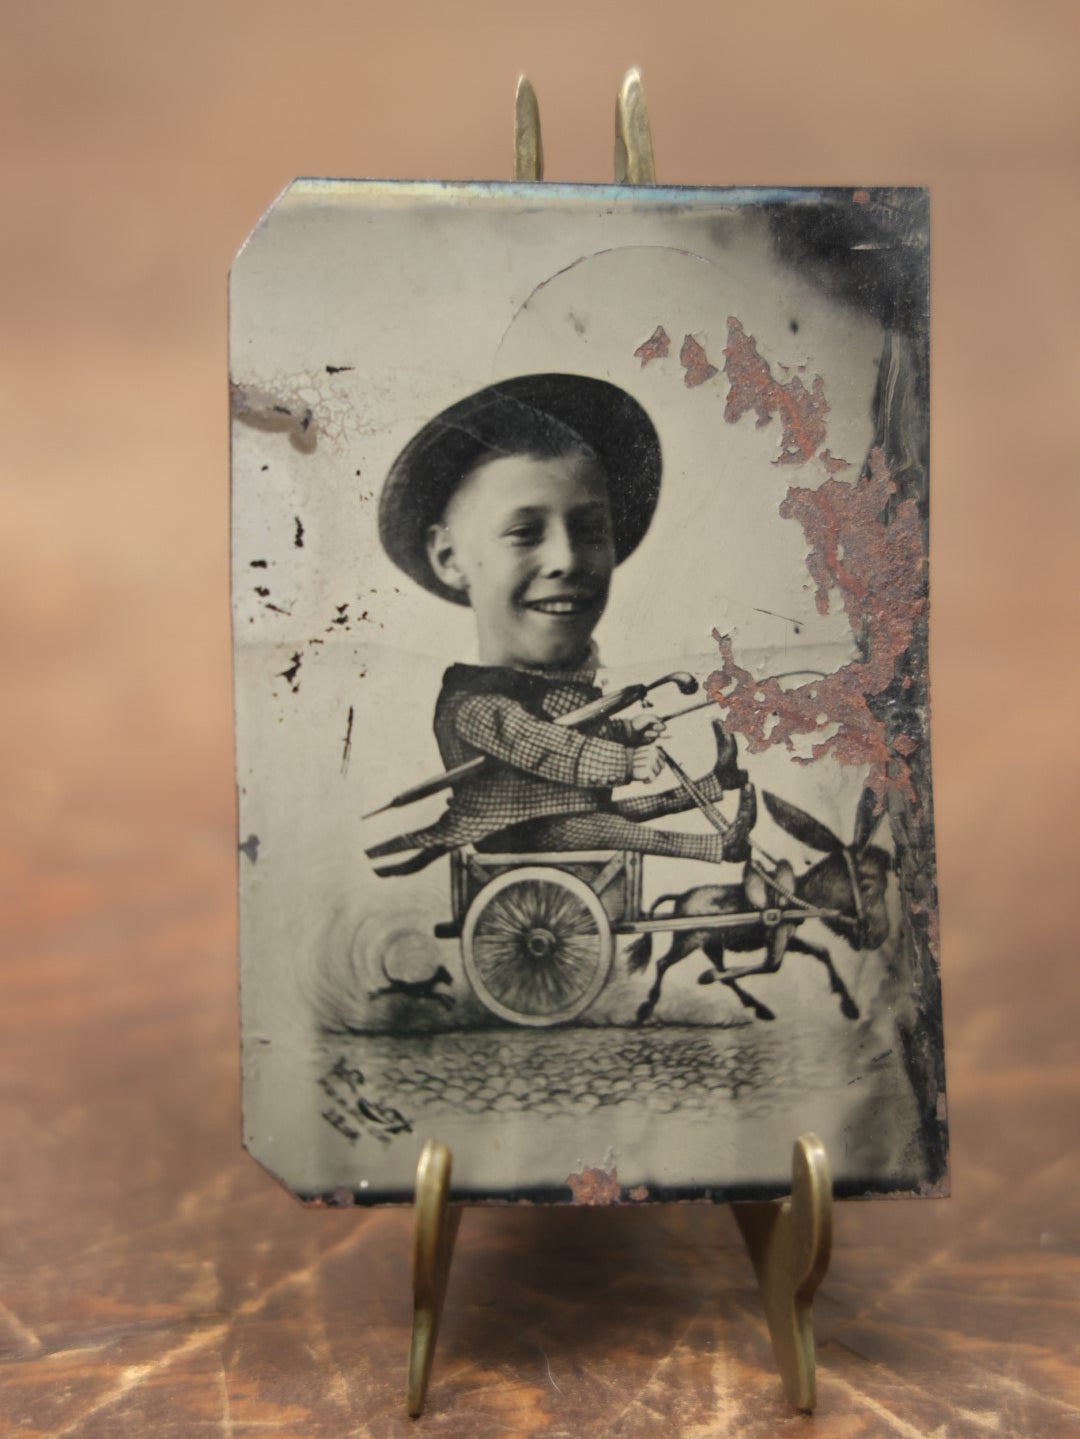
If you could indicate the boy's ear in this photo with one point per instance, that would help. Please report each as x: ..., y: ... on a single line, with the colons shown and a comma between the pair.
x: 441, y: 558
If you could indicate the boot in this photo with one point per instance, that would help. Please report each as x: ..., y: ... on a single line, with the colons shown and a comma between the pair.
x: 737, y: 839
x: 725, y: 769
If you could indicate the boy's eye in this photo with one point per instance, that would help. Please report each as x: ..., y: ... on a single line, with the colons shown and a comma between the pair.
x: 593, y: 532
x: 525, y: 534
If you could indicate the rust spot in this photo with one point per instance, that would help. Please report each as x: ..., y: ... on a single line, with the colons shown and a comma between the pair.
x: 695, y: 362
x: 595, y: 1186
x: 833, y: 463
x: 640, y: 1194
x: 656, y: 347
x: 801, y: 411
x: 932, y: 1189
x: 861, y: 197
x: 877, y: 569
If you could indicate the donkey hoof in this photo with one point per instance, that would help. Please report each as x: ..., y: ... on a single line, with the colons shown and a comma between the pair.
x: 708, y: 976
x: 848, y: 1008
x: 726, y: 769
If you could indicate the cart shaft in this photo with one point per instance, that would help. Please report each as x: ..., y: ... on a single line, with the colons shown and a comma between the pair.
x: 715, y: 921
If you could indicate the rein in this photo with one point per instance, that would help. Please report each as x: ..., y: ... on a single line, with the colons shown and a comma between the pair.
x: 722, y: 826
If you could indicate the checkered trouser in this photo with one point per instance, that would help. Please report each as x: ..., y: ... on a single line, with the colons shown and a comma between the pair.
x: 605, y: 831
x: 619, y: 828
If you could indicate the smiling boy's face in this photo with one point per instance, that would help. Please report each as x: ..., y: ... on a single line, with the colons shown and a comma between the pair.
x: 530, y: 541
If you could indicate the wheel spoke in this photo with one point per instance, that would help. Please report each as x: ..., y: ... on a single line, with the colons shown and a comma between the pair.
x: 538, y: 947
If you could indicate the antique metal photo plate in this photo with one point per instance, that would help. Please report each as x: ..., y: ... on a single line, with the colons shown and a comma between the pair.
x: 580, y: 615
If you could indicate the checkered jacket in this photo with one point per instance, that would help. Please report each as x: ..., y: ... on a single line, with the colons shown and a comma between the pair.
x: 543, y: 768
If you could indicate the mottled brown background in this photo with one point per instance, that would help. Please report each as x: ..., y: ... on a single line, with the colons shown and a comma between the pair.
x: 154, y: 1280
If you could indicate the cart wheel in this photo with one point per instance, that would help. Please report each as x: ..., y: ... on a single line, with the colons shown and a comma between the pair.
x: 536, y: 945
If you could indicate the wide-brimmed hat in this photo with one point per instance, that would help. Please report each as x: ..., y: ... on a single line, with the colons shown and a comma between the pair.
x: 543, y: 415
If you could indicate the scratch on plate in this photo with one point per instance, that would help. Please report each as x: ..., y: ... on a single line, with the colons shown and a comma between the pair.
x: 346, y: 752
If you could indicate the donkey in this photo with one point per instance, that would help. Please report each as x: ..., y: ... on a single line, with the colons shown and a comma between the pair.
x: 848, y: 884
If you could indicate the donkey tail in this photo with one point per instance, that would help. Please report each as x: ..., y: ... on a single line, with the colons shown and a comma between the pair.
x: 640, y: 952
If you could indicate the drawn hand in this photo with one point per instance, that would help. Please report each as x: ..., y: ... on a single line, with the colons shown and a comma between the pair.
x: 647, y: 763
x: 648, y: 728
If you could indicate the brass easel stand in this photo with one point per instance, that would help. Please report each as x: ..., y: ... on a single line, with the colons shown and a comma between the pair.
x: 435, y: 1229
x: 789, y: 1240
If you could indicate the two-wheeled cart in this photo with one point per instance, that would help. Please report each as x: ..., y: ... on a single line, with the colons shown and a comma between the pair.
x: 538, y: 930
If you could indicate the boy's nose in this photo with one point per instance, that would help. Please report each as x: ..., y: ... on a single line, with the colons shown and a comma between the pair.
x: 560, y: 553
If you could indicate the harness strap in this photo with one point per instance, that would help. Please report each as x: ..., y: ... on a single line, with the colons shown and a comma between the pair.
x: 856, y: 892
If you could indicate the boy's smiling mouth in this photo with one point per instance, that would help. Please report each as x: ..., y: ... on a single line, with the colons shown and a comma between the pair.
x: 574, y: 604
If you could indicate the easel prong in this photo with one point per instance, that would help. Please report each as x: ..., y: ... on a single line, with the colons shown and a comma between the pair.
x: 790, y: 1242
x: 634, y: 163
x: 528, y: 142
x: 435, y: 1229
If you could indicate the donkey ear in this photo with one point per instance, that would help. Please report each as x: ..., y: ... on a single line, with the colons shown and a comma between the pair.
x: 800, y: 824
x: 867, y: 818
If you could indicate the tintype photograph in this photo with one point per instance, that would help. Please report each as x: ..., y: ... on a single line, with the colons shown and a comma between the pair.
x: 580, y: 605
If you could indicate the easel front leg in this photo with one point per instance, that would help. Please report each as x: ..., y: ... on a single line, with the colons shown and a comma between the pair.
x: 790, y: 1242
x: 435, y: 1229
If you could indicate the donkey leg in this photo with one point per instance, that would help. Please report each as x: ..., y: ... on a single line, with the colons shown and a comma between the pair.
x: 769, y: 965
x: 761, y: 1011
x: 848, y: 1008
x: 774, y: 957
x: 718, y: 974
x: 713, y: 949
x: 681, y: 946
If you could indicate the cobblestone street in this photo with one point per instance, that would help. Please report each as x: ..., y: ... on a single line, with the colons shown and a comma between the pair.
x: 660, y: 1070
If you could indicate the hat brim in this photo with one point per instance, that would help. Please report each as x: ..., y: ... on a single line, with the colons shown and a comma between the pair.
x: 503, y: 419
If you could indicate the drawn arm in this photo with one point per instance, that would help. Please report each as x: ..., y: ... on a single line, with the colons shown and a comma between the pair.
x: 501, y: 727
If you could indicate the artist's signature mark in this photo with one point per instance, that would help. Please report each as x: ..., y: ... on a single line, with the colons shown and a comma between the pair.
x: 352, y: 1113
